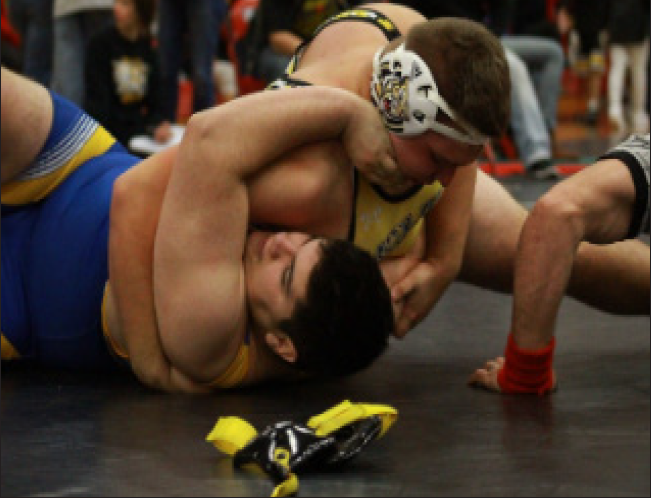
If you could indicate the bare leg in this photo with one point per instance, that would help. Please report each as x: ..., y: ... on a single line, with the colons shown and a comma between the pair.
x: 613, y: 278
x: 497, y: 219
x: 26, y: 122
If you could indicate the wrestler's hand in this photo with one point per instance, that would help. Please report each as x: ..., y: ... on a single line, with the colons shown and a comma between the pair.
x: 417, y: 294
x: 487, y: 377
x: 369, y: 147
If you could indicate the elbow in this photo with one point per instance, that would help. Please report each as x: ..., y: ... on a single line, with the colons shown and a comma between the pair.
x: 201, y: 124
x: 195, y: 128
x: 205, y: 128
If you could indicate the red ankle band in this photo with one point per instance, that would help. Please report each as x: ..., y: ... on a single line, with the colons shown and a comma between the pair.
x: 527, y: 371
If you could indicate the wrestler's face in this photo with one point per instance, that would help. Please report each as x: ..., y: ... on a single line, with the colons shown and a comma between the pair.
x: 277, y: 269
x: 426, y: 158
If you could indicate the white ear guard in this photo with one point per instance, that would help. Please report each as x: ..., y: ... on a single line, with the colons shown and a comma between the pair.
x: 406, y: 94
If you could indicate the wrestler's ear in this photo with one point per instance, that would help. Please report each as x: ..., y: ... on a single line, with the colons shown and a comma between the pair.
x: 282, y: 345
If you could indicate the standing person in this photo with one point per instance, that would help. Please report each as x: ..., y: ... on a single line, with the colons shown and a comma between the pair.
x: 277, y: 29
x: 604, y: 203
x: 75, y: 22
x: 33, y: 19
x: 628, y: 30
x: 122, y: 75
x: 196, y: 21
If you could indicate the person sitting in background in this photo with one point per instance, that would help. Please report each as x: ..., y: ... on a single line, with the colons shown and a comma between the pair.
x: 277, y: 29
x: 122, y: 76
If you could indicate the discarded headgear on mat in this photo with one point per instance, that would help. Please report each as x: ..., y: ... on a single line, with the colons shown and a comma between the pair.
x: 286, y: 448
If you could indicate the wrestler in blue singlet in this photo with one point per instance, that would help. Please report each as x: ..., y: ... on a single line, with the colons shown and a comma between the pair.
x: 54, y: 245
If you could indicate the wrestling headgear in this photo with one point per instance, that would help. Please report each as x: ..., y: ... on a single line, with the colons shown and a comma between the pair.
x: 406, y: 94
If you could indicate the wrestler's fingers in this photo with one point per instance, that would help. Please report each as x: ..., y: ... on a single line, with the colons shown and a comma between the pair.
x: 490, y: 365
x: 484, y: 379
x: 495, y: 364
x: 389, y: 166
x: 479, y: 377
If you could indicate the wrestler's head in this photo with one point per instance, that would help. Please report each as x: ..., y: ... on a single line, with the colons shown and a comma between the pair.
x: 442, y: 90
x: 323, y: 304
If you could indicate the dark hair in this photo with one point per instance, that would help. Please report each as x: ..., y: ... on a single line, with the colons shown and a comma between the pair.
x: 145, y: 10
x: 470, y: 69
x: 345, y: 321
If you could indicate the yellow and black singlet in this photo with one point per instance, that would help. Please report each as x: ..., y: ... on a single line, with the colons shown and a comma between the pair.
x: 384, y: 225
x: 366, y: 15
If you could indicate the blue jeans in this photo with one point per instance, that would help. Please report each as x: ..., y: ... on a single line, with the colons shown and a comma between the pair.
x: 200, y: 19
x: 33, y: 19
x: 71, y: 36
x: 536, y: 67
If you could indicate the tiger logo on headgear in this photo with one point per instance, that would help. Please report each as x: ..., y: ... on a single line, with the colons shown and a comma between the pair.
x: 406, y: 94
x: 392, y: 90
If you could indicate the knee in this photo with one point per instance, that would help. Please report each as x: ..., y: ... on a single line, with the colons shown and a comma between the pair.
x: 558, y: 209
x: 556, y: 51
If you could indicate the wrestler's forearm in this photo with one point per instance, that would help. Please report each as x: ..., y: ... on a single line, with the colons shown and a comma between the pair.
x: 543, y: 267
x: 274, y: 123
x: 134, y: 217
x: 447, y: 228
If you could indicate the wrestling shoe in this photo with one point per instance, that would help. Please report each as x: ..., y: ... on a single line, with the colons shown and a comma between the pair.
x: 543, y: 170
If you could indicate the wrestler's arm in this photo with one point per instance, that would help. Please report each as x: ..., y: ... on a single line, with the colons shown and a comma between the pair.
x: 446, y: 231
x: 594, y: 205
x: 27, y: 113
x: 135, y: 210
x: 199, y: 286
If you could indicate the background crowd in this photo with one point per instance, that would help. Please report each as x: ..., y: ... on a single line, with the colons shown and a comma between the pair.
x: 125, y: 61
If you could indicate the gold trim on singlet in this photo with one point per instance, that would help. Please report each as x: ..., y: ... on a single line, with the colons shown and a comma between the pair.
x: 114, y: 347
x: 236, y: 371
x: 8, y: 352
x: 42, y: 178
x: 234, y: 374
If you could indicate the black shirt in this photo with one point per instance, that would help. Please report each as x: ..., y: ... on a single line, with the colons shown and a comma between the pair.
x: 122, y: 84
